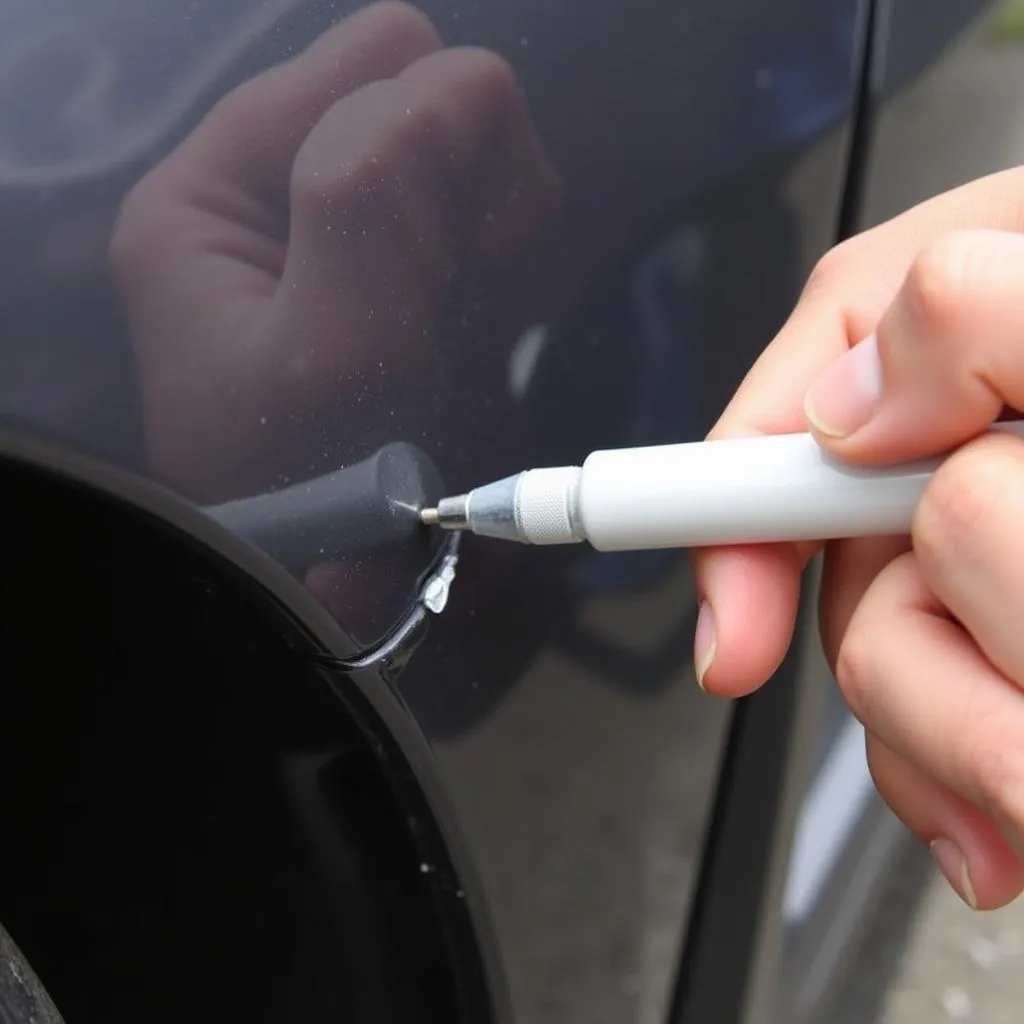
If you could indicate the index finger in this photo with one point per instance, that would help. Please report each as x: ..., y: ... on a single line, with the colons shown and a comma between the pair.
x: 750, y: 594
x: 254, y: 133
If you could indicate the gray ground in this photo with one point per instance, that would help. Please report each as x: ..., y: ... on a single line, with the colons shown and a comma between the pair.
x: 960, y: 965
x: 957, y: 965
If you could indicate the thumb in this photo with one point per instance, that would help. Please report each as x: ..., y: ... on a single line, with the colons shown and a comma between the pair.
x: 947, y: 357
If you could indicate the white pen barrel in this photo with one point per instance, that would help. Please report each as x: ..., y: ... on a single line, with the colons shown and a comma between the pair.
x: 744, y: 491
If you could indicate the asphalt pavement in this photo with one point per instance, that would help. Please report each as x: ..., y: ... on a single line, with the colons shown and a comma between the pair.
x: 959, y: 965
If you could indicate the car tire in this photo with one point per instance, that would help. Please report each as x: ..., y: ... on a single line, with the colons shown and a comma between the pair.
x: 23, y: 1000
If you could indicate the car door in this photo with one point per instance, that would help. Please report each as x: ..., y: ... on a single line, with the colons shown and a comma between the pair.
x: 249, y: 246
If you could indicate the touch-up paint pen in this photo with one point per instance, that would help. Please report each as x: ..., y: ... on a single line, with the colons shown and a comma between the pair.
x: 745, y: 491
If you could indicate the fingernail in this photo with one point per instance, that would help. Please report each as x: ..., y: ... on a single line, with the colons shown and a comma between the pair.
x: 952, y: 863
x: 704, y: 644
x: 844, y: 398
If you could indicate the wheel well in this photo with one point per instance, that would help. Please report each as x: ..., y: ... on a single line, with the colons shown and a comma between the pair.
x: 195, y: 825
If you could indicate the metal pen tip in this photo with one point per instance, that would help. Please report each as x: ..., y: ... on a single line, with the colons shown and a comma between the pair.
x: 450, y: 513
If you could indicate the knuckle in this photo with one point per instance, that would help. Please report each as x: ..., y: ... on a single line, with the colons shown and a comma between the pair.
x: 940, y: 282
x: 324, y: 174
x: 313, y: 190
x: 130, y: 238
x: 476, y: 79
x: 992, y: 762
x: 400, y: 23
x: 403, y: 128
x: 425, y: 119
x: 854, y: 669
x: 487, y: 70
x: 308, y: 191
x: 956, y: 508
x: 831, y: 268
x: 242, y: 111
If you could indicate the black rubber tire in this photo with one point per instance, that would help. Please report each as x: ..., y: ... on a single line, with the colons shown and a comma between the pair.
x: 23, y: 1000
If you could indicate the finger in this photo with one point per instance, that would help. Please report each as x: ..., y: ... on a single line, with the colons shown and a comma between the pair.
x: 451, y: 133
x: 848, y: 293
x: 763, y: 588
x: 235, y: 166
x: 918, y: 682
x: 967, y: 536
x: 843, y: 302
x: 850, y: 568
x: 749, y: 599
x: 947, y: 357
x: 750, y: 595
x: 968, y: 847
x: 384, y: 192
x: 502, y: 181
x: 254, y: 133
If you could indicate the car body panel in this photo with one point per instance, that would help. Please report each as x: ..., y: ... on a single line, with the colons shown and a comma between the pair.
x: 582, y: 244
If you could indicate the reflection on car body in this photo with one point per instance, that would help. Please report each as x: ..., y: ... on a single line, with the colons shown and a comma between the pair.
x: 251, y: 251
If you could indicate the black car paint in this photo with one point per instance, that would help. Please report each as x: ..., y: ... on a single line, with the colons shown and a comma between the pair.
x: 551, y: 716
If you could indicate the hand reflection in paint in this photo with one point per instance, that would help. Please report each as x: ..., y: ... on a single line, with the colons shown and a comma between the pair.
x: 308, y: 233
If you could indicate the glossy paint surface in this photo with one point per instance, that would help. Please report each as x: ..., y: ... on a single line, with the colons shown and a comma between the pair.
x: 506, y: 233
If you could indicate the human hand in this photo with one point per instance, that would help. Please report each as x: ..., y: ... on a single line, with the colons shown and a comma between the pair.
x: 921, y: 631
x: 307, y: 234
